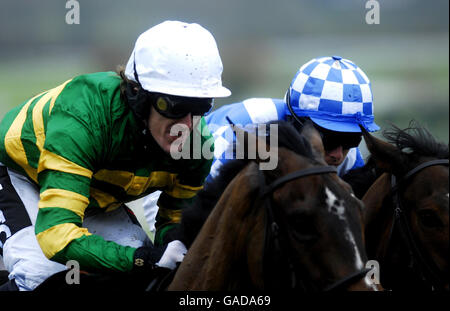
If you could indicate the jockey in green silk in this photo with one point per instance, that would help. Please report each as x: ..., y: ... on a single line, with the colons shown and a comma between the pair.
x: 97, y: 141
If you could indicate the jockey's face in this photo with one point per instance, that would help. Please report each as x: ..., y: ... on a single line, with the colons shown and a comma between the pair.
x: 160, y: 127
x: 337, y: 144
x: 336, y: 156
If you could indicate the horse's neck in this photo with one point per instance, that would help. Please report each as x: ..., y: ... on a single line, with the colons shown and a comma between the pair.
x: 213, y: 258
x: 378, y: 215
x: 375, y: 196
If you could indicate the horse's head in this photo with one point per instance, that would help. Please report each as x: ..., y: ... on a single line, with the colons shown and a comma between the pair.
x: 417, y: 206
x: 297, y: 225
x: 319, y: 241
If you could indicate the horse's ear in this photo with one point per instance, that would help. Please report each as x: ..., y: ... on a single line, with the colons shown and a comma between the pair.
x: 314, y: 138
x: 387, y: 157
x: 253, y: 147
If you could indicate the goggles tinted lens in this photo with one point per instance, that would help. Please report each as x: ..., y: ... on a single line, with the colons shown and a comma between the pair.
x: 177, y: 107
x: 332, y: 141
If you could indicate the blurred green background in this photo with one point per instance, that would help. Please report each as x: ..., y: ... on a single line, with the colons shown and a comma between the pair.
x: 262, y: 44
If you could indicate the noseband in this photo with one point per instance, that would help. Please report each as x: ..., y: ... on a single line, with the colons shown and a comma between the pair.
x: 272, y: 229
x: 428, y: 272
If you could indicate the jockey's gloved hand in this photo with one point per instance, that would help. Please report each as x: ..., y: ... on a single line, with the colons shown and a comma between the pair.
x: 165, y: 256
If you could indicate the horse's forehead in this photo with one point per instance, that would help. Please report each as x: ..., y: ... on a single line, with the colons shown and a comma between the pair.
x: 334, y: 205
x: 289, y: 161
x: 433, y: 179
x: 290, y: 158
x: 338, y: 208
x: 429, y: 188
x: 436, y: 173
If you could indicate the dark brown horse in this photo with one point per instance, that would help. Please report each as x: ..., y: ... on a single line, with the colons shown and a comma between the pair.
x: 407, y: 210
x: 298, y: 226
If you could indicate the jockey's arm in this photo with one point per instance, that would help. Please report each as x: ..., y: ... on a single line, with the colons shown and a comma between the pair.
x: 171, y: 202
x: 65, y: 170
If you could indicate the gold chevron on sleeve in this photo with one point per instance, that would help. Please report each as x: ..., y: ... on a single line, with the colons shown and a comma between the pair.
x: 136, y: 185
x: 52, y: 161
x: 58, y: 237
x: 69, y: 200
x: 57, y: 90
x: 103, y: 199
x: 13, y: 143
x: 183, y: 191
x: 119, y: 178
x: 38, y: 119
x: 170, y: 215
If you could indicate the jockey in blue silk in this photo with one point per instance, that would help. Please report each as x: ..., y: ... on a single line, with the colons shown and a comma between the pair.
x: 334, y: 93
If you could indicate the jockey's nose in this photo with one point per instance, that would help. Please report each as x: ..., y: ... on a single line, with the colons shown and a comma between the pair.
x: 335, y: 156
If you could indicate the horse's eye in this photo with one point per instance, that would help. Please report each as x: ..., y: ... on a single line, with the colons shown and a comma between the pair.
x: 428, y: 218
x: 304, y: 228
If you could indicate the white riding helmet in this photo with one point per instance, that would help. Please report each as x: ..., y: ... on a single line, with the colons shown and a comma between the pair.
x: 177, y: 58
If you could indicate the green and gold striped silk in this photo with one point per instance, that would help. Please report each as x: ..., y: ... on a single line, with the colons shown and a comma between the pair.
x: 82, y: 146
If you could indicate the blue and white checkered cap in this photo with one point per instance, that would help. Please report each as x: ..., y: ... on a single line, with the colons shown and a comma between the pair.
x: 335, y: 93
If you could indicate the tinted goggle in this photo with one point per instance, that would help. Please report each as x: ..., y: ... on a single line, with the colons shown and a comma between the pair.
x: 177, y: 107
x: 332, y: 140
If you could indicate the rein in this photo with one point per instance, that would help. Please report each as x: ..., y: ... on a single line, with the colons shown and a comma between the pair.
x: 272, y: 230
x: 427, y: 269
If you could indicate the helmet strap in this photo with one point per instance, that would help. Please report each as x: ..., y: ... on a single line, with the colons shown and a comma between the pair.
x: 135, y: 71
x: 138, y: 100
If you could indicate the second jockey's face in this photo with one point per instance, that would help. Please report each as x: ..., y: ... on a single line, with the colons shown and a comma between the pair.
x: 338, y: 144
x: 336, y: 156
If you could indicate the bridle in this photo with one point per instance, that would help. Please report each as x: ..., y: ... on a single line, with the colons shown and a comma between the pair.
x: 428, y: 272
x: 274, y: 242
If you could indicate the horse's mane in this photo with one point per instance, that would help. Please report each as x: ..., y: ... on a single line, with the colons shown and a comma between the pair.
x: 194, y: 215
x: 416, y: 140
